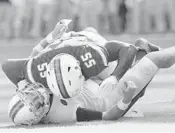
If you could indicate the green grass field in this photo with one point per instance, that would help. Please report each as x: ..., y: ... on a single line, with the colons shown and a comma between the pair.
x: 158, y: 104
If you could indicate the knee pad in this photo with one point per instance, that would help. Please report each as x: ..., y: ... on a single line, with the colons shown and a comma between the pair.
x: 13, y: 69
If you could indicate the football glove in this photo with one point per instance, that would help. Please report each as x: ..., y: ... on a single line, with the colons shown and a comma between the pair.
x: 58, y: 31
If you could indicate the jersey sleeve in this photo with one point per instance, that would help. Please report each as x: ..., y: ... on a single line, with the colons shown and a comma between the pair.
x: 14, y: 69
x: 37, y: 67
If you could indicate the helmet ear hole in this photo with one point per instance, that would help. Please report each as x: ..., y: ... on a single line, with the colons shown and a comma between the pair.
x: 53, y: 86
x: 69, y: 69
x: 69, y: 82
x: 48, y: 72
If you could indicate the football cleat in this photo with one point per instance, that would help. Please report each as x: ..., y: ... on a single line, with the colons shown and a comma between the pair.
x: 145, y: 45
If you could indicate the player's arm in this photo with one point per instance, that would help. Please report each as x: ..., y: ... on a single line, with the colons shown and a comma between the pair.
x: 113, y: 114
x: 57, y: 33
x: 121, y: 107
x: 124, y: 53
x: 39, y: 47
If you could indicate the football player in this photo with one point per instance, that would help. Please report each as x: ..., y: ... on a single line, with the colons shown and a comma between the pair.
x: 128, y: 89
x: 92, y: 57
x: 33, y: 104
x: 64, y: 110
x: 17, y: 68
x: 61, y: 110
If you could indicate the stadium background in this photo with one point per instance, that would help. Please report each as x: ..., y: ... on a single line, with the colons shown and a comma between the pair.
x: 36, y: 18
x: 24, y: 22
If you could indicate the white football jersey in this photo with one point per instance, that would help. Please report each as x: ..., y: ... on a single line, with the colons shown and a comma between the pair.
x: 64, y: 110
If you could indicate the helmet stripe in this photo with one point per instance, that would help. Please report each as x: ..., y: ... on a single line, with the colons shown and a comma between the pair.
x: 13, y: 108
x: 59, y: 79
x: 29, y: 71
x: 16, y: 109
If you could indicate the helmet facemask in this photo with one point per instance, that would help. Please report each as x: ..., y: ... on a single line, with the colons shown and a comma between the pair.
x: 36, y: 99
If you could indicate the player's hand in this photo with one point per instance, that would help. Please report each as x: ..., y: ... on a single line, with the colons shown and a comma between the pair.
x: 107, y: 86
x: 128, y: 91
x: 60, y: 28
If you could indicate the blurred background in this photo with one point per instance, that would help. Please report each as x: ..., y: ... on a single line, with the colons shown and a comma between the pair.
x: 36, y: 18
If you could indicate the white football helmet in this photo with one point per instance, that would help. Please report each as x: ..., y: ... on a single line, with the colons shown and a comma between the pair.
x: 29, y: 105
x: 64, y: 76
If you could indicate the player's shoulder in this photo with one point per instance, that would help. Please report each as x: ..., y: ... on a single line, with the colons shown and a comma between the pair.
x: 61, y: 111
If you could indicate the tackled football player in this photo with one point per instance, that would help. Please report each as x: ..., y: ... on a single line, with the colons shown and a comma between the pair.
x: 129, y: 87
x: 69, y: 104
x: 60, y: 110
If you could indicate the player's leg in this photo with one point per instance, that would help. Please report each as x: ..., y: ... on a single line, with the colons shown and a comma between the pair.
x: 116, y: 94
x: 164, y: 58
x: 14, y: 69
x: 153, y: 61
x: 141, y: 74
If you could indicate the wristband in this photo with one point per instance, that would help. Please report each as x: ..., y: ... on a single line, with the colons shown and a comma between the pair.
x: 83, y: 114
x: 122, y: 106
x: 38, y: 48
x: 49, y: 38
